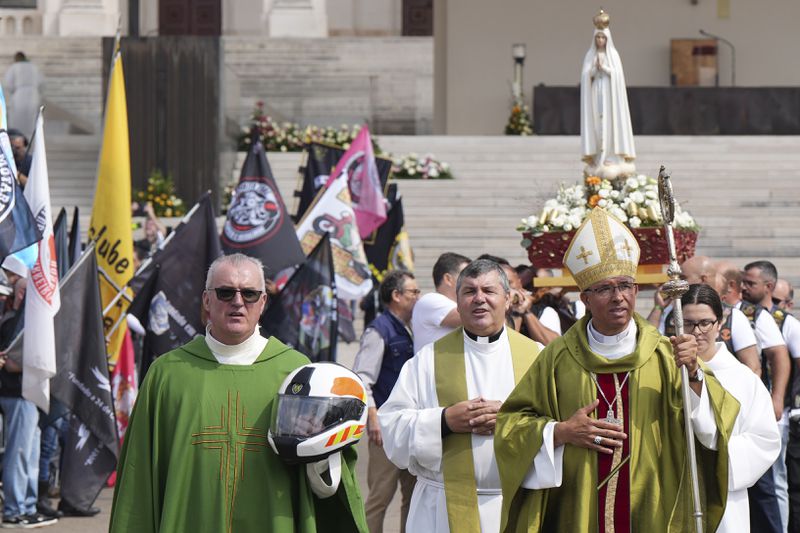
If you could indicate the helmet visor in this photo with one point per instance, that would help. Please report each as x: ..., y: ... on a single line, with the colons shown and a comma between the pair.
x: 305, y: 416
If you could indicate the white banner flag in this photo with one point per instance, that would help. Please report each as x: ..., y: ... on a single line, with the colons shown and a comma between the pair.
x: 333, y: 214
x: 42, y: 297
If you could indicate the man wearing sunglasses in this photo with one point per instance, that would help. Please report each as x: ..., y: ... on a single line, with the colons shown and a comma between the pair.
x: 594, y: 432
x: 196, y: 456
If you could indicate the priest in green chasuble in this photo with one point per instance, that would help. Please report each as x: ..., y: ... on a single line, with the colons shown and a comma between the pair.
x: 592, y: 438
x: 196, y: 456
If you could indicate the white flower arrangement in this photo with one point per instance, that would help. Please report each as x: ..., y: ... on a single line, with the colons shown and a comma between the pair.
x: 413, y: 166
x: 633, y: 201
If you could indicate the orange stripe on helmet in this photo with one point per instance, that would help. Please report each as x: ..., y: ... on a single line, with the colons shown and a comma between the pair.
x: 348, y: 387
x: 331, y: 441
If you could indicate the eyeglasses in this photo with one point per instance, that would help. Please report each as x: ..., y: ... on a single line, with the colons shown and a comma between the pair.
x: 415, y: 292
x: 703, y: 325
x: 226, y: 294
x: 607, y: 291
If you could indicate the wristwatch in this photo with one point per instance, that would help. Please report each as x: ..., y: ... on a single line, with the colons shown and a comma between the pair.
x: 698, y: 376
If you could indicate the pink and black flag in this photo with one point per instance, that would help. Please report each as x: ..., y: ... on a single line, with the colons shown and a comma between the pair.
x: 358, y: 166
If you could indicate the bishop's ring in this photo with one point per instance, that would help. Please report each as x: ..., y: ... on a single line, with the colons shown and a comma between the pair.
x: 598, y: 439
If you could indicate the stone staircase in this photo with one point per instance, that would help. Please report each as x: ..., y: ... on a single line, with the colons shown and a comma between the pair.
x: 73, y: 76
x: 72, y: 165
x: 387, y: 81
x: 743, y: 191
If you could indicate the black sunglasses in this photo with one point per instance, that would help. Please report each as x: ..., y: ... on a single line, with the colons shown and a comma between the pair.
x: 226, y: 294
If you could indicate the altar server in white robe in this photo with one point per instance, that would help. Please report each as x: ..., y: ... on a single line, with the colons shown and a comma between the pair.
x: 439, y: 419
x: 755, y: 443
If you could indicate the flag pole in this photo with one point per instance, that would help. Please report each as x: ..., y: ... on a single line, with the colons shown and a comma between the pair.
x: 142, y: 267
x: 675, y: 288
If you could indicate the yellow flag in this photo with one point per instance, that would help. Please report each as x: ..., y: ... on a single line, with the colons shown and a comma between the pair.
x: 111, y: 224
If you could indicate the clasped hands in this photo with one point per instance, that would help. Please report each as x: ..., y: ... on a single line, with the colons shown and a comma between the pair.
x: 478, y: 416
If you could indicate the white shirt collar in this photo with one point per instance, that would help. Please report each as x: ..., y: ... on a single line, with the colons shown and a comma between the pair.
x: 244, y: 353
x: 612, y: 346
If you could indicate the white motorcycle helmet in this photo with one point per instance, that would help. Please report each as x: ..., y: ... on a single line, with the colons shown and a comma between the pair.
x: 322, y: 409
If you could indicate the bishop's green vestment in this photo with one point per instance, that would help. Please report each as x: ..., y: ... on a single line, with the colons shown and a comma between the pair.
x: 196, y: 456
x: 557, y: 384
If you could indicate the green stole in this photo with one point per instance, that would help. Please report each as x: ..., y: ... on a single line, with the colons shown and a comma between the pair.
x: 557, y: 384
x: 458, y: 468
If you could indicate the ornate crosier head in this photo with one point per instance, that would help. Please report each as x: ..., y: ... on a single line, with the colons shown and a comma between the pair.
x: 601, y: 20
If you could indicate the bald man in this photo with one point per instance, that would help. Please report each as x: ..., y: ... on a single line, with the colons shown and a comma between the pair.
x: 732, y: 275
x: 783, y: 295
x: 735, y: 329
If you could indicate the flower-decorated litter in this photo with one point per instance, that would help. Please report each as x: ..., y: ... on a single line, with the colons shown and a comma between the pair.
x: 633, y: 201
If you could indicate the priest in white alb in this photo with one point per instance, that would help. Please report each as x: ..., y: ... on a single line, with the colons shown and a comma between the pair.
x: 592, y: 438
x: 439, y: 419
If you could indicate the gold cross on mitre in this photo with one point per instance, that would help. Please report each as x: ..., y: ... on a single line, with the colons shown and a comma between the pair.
x: 600, y: 237
x: 231, y: 441
x: 584, y: 255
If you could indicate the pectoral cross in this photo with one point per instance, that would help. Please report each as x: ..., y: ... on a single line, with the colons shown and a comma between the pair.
x: 584, y: 255
x: 232, y: 438
x: 611, y: 419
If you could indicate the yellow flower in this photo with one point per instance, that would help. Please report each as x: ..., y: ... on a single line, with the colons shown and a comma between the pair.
x: 593, y: 200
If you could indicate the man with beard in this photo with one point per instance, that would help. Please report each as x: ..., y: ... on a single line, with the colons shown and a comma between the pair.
x: 769, y: 497
x: 439, y: 419
x: 594, y: 433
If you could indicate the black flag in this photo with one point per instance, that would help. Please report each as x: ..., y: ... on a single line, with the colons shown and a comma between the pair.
x: 320, y: 161
x: 303, y: 314
x: 75, y: 246
x: 258, y: 224
x: 18, y: 227
x: 82, y: 385
x: 388, y: 247
x: 62, y: 243
x: 170, y: 303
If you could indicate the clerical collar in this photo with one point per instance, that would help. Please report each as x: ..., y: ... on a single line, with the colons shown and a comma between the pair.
x: 612, y: 346
x: 244, y: 353
x: 484, y: 340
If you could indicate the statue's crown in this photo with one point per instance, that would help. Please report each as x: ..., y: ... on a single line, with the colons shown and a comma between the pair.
x: 601, y: 20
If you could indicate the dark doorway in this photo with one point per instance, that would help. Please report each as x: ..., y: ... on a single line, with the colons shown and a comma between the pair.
x: 190, y: 17
x: 173, y: 93
x: 417, y: 17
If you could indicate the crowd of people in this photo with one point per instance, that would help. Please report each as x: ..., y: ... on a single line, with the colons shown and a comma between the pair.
x: 540, y: 452
x: 494, y: 404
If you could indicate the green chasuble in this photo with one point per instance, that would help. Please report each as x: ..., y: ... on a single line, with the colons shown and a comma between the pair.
x: 196, y: 456
x: 557, y: 384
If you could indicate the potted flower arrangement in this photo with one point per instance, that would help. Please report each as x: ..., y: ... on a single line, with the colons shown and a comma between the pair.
x: 633, y: 200
x: 291, y: 137
x: 424, y: 167
x: 160, y: 192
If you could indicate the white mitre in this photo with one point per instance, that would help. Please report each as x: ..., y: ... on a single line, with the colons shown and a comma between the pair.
x: 602, y: 248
